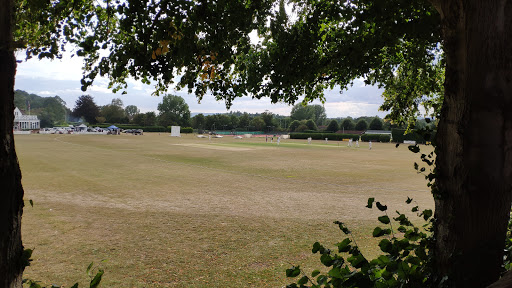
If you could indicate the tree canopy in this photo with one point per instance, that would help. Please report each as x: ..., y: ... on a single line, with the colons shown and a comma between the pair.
x: 398, y: 44
x: 173, y: 111
x: 86, y: 107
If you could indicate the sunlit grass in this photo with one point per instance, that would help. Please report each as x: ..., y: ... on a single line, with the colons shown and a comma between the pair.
x: 190, y: 212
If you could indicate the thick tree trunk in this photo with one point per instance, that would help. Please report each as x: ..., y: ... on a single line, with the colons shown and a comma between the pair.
x: 474, y: 154
x: 11, y: 191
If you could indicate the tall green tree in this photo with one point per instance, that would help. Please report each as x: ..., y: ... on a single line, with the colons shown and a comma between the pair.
x: 198, y: 121
x: 268, y: 117
x: 53, y: 111
x: 333, y: 126
x: 330, y: 43
x: 311, y: 125
x: 301, y: 112
x: 86, y: 107
x: 113, y: 114
x: 361, y: 125
x: 294, y: 125
x: 376, y: 124
x: 319, y: 114
x: 348, y: 124
x: 234, y: 121
x: 244, y: 120
x: 131, y: 111
x: 259, y: 124
x: 173, y: 111
x: 150, y: 119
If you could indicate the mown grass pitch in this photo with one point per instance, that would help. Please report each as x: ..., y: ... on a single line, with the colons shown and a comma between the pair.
x: 190, y: 212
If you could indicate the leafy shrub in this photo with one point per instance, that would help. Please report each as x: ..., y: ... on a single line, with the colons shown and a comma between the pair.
x: 311, y: 125
x: 420, y: 136
x: 130, y: 126
x: 384, y: 138
x: 375, y: 137
x: 187, y: 130
x: 322, y: 136
x: 333, y: 126
x: 315, y: 131
x: 370, y: 137
x: 294, y: 125
x: 405, y: 262
x: 301, y: 128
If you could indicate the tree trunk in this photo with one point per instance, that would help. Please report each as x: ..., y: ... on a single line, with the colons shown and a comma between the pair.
x: 11, y: 191
x: 473, y: 190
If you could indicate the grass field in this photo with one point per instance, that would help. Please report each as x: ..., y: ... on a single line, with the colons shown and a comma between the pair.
x: 189, y: 212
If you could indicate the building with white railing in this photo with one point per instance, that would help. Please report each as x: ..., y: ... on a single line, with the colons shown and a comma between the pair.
x: 25, y: 122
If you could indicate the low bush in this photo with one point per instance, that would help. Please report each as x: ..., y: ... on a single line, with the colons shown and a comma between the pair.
x: 405, y: 261
x: 370, y: 137
x: 384, y: 138
x: 322, y: 136
x: 187, y: 130
x: 375, y: 137
x: 420, y: 136
x: 129, y: 126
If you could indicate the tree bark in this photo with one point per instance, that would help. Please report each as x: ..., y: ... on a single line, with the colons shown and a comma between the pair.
x: 473, y: 189
x: 11, y: 191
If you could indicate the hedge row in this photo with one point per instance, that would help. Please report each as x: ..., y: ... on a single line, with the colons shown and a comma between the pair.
x: 376, y: 137
x: 185, y: 130
x: 130, y: 126
x: 399, y: 137
x: 322, y: 136
x: 315, y: 131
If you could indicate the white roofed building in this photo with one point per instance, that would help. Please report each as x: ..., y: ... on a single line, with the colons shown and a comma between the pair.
x: 25, y: 122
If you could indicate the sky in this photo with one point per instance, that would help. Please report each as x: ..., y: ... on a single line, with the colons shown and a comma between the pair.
x: 62, y: 78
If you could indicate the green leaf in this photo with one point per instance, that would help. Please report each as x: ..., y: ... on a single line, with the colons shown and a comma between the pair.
x: 357, y: 261
x: 344, y: 246
x: 414, y: 148
x: 392, y: 266
x: 387, y: 275
x: 316, y: 247
x: 342, y: 227
x: 377, y: 232
x: 293, y: 272
x: 95, y: 282
x: 408, y: 201
x: 303, y: 280
x: 383, y: 259
x: 326, y: 259
x: 89, y: 268
x: 401, y: 229
x: 384, y: 219
x: 427, y: 214
x: 414, y: 209
x: 370, y: 202
x: 386, y: 246
x: 335, y: 273
x: 381, y: 207
x: 315, y: 273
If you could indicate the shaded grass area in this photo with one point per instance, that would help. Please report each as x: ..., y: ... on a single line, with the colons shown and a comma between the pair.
x: 179, y: 212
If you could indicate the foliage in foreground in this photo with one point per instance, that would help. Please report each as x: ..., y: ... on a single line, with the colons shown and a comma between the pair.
x: 403, y: 264
x: 94, y: 273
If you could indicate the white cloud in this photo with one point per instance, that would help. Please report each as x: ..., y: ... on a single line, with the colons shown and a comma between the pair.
x: 353, y: 109
x: 62, y: 77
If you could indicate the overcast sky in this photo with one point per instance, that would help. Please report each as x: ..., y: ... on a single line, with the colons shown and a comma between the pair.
x: 62, y: 78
